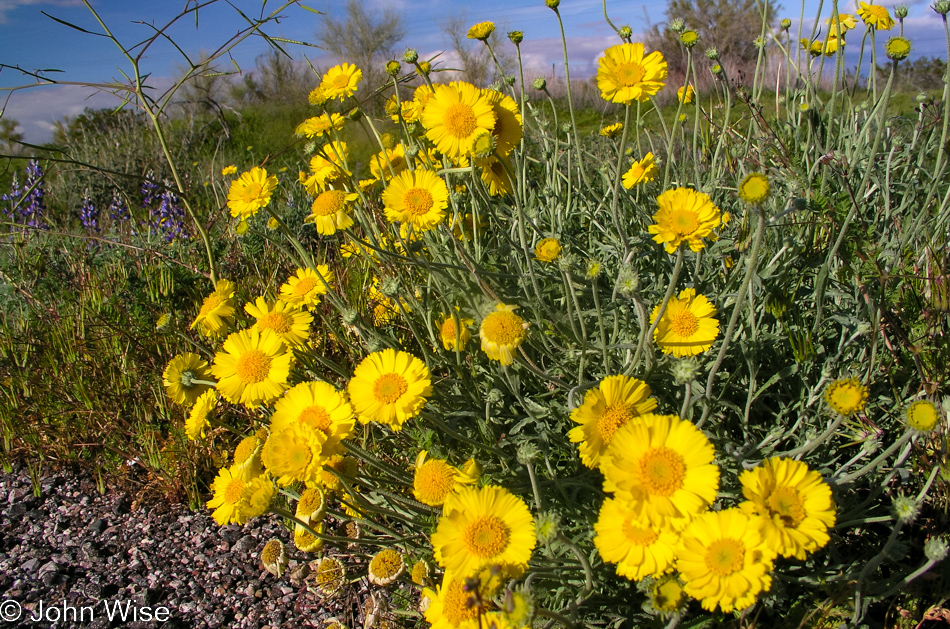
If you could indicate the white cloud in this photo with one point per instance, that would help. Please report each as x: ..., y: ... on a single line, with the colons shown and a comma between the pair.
x: 8, y: 5
x: 38, y: 109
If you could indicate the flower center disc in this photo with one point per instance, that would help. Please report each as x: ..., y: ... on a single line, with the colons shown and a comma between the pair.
x: 329, y: 202
x: 389, y: 387
x: 304, y: 286
x: 455, y: 607
x: 684, y: 324
x: 434, y: 480
x: 487, y: 537
x: 298, y: 457
x: 684, y: 222
x: 503, y: 328
x: 725, y: 556
x: 846, y: 399
x: 787, y: 505
x: 277, y: 321
x: 460, y: 120
x: 253, y: 367
x: 251, y: 192
x: 418, y: 201
x: 615, y: 416
x: 234, y: 491
x: 662, y: 471
x: 341, y: 81
x: 211, y: 302
x: 637, y: 535
x: 629, y: 73
x: 316, y: 417
x: 385, y: 564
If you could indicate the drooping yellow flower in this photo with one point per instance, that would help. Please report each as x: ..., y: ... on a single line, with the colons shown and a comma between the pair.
x: 684, y: 215
x: 290, y: 323
x: 388, y: 163
x: 453, y: 116
x: 180, y: 375
x: 389, y: 387
x: 844, y: 23
x: 253, y: 367
x: 723, y: 560
x: 846, y: 396
x: 247, y: 455
x: 341, y: 81
x: 250, y: 192
x: 662, y: 466
x: 326, y: 168
x: 318, y: 125
x: 481, y: 31
x: 328, y: 213
x: 217, y: 310
x: 688, y: 326
x: 640, y: 172
x: 230, y: 497
x: 508, y: 125
x: 876, y: 16
x: 547, y: 250
x: 197, y: 422
x: 417, y: 198
x: 685, y: 94
x: 483, y: 526
x: 274, y: 557
x: 294, y: 454
x: 455, y: 337
x: 318, y: 406
x: 612, y: 131
x: 305, y: 288
x: 615, y: 402
x: 343, y: 465
x: 796, y: 504
x: 640, y: 548
x: 922, y: 415
x: 316, y: 96
x: 754, y: 188
x: 502, y: 332
x: 495, y: 175
x: 435, y: 479
x: 625, y: 74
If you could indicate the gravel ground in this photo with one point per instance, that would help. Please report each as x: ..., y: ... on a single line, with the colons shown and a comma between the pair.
x: 74, y: 548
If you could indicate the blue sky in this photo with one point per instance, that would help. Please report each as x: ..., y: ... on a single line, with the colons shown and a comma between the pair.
x: 33, y: 41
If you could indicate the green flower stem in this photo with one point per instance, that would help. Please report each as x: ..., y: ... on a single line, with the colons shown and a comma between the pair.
x: 870, y: 467
x: 600, y: 325
x: 570, y: 103
x: 899, y: 586
x: 397, y: 474
x: 607, y: 19
x: 588, y: 573
x: 615, y: 202
x: 538, y: 505
x: 444, y: 428
x: 860, y: 606
x: 811, y: 444
x: 522, y: 102
x: 554, y: 618
x: 283, y: 513
x: 646, y: 336
x: 751, y: 263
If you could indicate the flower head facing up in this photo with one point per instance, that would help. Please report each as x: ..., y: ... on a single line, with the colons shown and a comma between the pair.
x: 897, y: 48
x: 319, y: 407
x: 320, y: 125
x: 341, y: 81
x: 481, y: 31
x: 612, y: 131
x: 640, y: 172
x: 250, y: 192
x: 217, y: 310
x: 626, y: 74
x: 291, y: 324
x: 688, y: 326
x: 385, y: 567
x: 684, y: 215
x: 481, y: 527
x: 502, y: 332
x: 294, y: 454
x: 663, y: 467
x: 453, y: 115
x: 796, y: 504
x: 875, y: 16
x: 418, y: 198
x: 253, y: 367
x: 197, y: 422
x: 389, y: 387
x: 547, y: 250
x: 230, y: 497
x: 639, y: 547
x: 328, y: 212
x: 754, y: 188
x: 180, y: 375
x: 922, y: 415
x: 304, y: 288
x: 724, y: 561
x: 846, y: 396
x: 616, y: 401
x: 455, y: 337
x: 435, y: 479
x: 328, y: 577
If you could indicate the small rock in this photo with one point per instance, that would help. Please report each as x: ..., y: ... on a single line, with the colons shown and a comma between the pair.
x: 98, y: 526
x: 244, y: 545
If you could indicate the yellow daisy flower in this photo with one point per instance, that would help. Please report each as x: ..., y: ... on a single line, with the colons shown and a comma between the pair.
x: 844, y: 23
x: 685, y: 215
x: 613, y: 404
x: 294, y: 454
x: 846, y: 396
x: 388, y: 163
x: 344, y: 465
x: 260, y: 493
x: 452, y: 337
x: 228, y: 170
x: 316, y: 96
x: 329, y: 211
x: 481, y: 31
x: 305, y: 288
x: 495, y: 175
x: 876, y: 16
x: 180, y: 375
x: 453, y: 115
x: 311, y: 507
x: 612, y: 131
x: 217, y: 310
x: 385, y: 567
x: 435, y: 479
x: 685, y: 94
x: 625, y: 74
x: 274, y: 557
x: 640, y: 172
x: 418, y: 198
x: 319, y: 125
x: 754, y: 188
x: 687, y: 327
x: 291, y: 324
x: 250, y: 192
x: 326, y: 168
x: 796, y: 504
x: 502, y: 332
x: 663, y: 466
x: 922, y: 415
x: 639, y: 548
x: 897, y: 48
x: 508, y: 126
x: 230, y: 497
x: 341, y: 81
x: 667, y: 595
x: 197, y: 422
x: 547, y: 250
x: 318, y: 406
x: 483, y: 526
x: 389, y: 387
x: 724, y: 561
x: 448, y: 604
x: 247, y: 456
x: 253, y: 368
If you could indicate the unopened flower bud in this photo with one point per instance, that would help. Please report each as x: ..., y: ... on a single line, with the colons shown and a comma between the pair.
x: 625, y: 32
x: 935, y: 549
x: 677, y: 25
x: 425, y: 67
x: 393, y: 68
x: 906, y: 509
x: 350, y: 316
x: 410, y: 56
x: 552, y: 4
x: 712, y: 54
x: 527, y: 453
x: 786, y: 24
x: 516, y: 37
x: 942, y: 7
x: 540, y: 83
x: 548, y: 526
x: 900, y: 11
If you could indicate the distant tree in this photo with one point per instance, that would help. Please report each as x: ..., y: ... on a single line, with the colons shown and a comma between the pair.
x: 10, y: 138
x: 730, y: 26
x: 275, y: 79
x: 366, y: 39
x: 475, y: 64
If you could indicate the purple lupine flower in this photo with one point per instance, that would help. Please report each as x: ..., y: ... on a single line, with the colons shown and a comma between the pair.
x: 169, y: 217
x: 118, y: 212
x: 88, y: 214
x: 149, y: 190
x: 32, y: 207
x: 12, y: 198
